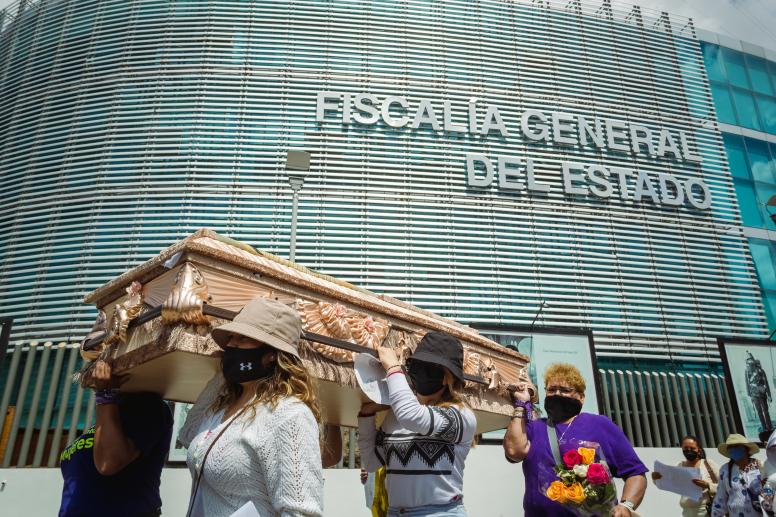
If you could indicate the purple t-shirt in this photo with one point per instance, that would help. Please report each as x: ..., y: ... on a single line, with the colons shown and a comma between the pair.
x: 537, y: 466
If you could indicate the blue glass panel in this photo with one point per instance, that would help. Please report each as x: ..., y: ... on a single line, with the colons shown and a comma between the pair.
x: 748, y: 204
x: 764, y: 255
x: 734, y: 146
x: 736, y: 70
x: 767, y: 108
x: 712, y: 57
x: 769, y: 301
x: 723, y: 103
x: 758, y: 75
x: 760, y: 161
x: 747, y: 113
x: 766, y: 191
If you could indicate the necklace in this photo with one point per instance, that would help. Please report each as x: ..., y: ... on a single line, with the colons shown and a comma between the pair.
x: 566, y: 430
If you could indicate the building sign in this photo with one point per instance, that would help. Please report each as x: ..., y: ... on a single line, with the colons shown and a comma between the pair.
x: 513, y: 173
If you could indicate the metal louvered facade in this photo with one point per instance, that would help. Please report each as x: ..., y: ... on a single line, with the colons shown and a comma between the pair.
x: 127, y: 124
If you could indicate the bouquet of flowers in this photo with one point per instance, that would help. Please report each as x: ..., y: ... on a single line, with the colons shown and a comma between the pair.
x: 584, y: 484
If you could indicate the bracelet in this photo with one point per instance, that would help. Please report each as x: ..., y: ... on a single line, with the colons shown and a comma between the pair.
x: 106, y: 397
x: 393, y: 366
x: 519, y: 413
x: 527, y: 406
x: 394, y: 373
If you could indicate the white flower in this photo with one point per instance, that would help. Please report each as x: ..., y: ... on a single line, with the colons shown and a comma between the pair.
x: 580, y: 471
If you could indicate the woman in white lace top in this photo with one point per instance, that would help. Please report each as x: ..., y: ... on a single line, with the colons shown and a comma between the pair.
x: 253, y: 436
x: 426, y: 436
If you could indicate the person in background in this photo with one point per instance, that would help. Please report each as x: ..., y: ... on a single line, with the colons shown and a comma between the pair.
x: 528, y: 441
x: 115, y: 467
x: 426, y: 436
x: 740, y: 480
x: 769, y: 476
x: 695, y: 457
x: 253, y: 436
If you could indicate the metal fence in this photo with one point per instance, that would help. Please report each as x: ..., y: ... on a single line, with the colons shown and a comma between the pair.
x: 656, y: 409
x: 44, y: 409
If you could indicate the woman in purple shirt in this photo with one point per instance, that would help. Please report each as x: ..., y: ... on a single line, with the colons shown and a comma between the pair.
x: 527, y: 441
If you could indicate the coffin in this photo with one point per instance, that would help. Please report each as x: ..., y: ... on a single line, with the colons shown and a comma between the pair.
x: 155, y: 322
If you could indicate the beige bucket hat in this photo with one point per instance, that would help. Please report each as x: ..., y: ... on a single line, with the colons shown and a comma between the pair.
x: 267, y: 321
x: 737, y: 439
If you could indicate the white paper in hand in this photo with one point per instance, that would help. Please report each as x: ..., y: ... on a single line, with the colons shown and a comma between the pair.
x: 371, y: 378
x: 679, y: 480
x: 246, y: 510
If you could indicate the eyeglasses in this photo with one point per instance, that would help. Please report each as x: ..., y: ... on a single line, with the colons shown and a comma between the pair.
x: 559, y: 390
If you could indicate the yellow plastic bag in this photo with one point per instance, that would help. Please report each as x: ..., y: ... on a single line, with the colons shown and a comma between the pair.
x: 380, y: 500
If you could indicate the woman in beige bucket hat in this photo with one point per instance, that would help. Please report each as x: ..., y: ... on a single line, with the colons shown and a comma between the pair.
x: 740, y: 481
x: 253, y: 434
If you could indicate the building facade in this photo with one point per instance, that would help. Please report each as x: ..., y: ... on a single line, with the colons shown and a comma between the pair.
x: 743, y: 84
x: 480, y: 160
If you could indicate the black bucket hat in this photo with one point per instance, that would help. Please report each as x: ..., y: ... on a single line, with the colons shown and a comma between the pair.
x: 441, y: 349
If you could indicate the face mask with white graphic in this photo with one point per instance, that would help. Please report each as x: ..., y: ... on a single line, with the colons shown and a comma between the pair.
x: 245, y: 364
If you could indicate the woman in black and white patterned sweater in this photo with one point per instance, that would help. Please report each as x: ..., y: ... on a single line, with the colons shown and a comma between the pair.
x: 426, y: 436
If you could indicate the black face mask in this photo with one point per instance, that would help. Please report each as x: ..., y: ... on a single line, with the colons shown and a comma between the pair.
x: 245, y: 364
x: 690, y: 454
x: 560, y: 408
x: 426, y: 378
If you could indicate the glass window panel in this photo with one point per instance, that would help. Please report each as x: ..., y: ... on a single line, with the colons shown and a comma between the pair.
x: 769, y: 300
x: 712, y: 57
x: 758, y: 75
x: 723, y: 103
x: 760, y: 160
x: 764, y: 255
x: 736, y: 70
x: 734, y: 146
x: 748, y: 204
x: 767, y: 108
x: 766, y: 191
x: 747, y: 113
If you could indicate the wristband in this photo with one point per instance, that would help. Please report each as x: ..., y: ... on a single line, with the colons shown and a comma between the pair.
x: 106, y: 397
x: 394, y: 373
x: 527, y: 406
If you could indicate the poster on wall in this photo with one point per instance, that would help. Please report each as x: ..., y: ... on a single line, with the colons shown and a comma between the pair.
x: 750, y: 374
x: 177, y: 451
x: 547, y: 347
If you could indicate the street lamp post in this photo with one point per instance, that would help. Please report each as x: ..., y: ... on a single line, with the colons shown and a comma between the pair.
x: 298, y: 164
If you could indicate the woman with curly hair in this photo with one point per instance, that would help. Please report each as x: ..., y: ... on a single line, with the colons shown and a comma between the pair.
x: 253, y: 435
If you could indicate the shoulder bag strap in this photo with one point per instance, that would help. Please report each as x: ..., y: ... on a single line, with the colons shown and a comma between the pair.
x: 712, y: 475
x: 204, y: 458
x: 552, y: 436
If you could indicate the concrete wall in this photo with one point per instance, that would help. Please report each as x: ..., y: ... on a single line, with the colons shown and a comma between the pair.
x: 494, y: 488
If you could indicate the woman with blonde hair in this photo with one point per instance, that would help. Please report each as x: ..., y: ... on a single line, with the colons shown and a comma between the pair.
x: 426, y: 436
x: 253, y: 435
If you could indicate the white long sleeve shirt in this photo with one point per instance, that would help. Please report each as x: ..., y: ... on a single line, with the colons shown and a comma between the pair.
x: 422, y: 447
x: 272, y: 459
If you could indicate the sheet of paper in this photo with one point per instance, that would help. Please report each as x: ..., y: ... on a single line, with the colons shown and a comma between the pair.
x: 371, y: 378
x: 679, y: 480
x: 246, y: 510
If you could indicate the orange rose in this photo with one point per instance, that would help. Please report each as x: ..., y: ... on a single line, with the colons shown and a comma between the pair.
x: 557, y: 492
x: 588, y: 455
x: 574, y: 493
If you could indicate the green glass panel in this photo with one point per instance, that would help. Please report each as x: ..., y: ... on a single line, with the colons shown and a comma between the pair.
x: 734, y: 146
x: 764, y: 255
x: 745, y: 109
x: 748, y: 204
x: 736, y: 70
x: 758, y: 75
x: 760, y: 161
x: 712, y: 57
x: 767, y: 107
x: 723, y: 103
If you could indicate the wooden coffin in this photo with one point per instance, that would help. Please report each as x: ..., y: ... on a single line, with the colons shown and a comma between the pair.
x: 155, y: 322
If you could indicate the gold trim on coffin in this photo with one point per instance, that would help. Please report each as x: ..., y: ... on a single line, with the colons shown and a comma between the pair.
x: 188, y: 295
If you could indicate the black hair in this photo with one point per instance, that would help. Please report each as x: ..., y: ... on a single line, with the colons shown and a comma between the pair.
x: 697, y: 442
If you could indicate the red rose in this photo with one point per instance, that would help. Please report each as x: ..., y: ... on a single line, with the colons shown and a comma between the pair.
x: 596, y: 474
x: 572, y: 458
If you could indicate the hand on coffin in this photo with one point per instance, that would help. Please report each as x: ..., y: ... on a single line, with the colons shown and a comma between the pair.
x: 369, y: 408
x: 103, y: 377
x: 522, y: 393
x: 388, y: 358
